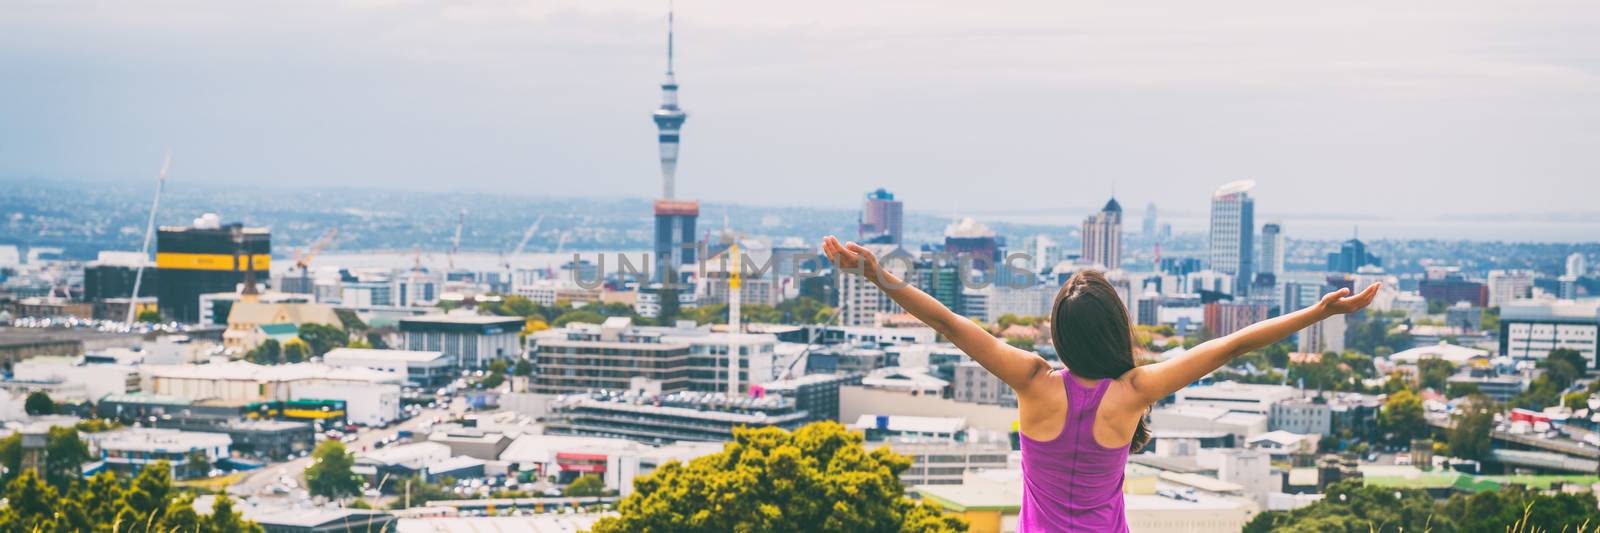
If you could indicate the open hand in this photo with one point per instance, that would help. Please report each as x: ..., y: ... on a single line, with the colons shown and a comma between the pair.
x: 851, y: 257
x: 1341, y: 302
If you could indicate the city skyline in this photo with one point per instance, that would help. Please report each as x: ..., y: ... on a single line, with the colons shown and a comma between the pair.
x: 1425, y: 119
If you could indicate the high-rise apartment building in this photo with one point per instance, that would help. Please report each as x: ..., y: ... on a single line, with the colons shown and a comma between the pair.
x: 207, y: 257
x: 1577, y: 265
x: 1272, y: 248
x: 1102, y: 237
x: 881, y: 218
x: 1152, y: 225
x: 860, y: 301
x: 1506, y: 286
x: 1324, y: 336
x: 1225, y: 318
x: 1232, y: 233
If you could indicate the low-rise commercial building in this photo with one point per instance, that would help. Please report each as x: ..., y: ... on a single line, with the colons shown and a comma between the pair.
x: 190, y: 454
x: 472, y: 340
x: 673, y: 417
x: 417, y: 368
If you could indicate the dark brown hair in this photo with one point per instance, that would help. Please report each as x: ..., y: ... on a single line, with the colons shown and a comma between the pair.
x: 1090, y: 330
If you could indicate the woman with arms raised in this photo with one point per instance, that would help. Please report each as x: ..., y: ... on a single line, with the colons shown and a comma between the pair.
x: 1079, y: 424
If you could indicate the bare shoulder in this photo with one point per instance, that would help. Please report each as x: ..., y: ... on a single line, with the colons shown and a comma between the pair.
x: 1124, y: 395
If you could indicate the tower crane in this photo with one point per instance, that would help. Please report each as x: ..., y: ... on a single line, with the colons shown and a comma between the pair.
x: 455, y: 243
x: 149, y: 230
x: 302, y: 261
x: 526, y: 236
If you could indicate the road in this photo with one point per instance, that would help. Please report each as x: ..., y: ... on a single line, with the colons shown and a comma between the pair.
x: 258, y: 482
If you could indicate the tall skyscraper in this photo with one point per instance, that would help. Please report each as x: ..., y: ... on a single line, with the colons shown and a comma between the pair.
x: 1102, y: 237
x: 1151, y: 224
x: 1232, y: 230
x: 1352, y: 255
x: 675, y: 219
x: 1272, y: 248
x: 881, y: 218
x: 1577, y: 265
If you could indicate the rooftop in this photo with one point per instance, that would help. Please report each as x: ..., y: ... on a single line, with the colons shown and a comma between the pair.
x: 409, y: 356
x: 912, y: 424
x: 1446, y: 351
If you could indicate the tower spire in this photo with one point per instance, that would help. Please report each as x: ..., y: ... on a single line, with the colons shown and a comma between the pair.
x: 670, y: 8
x: 669, y: 118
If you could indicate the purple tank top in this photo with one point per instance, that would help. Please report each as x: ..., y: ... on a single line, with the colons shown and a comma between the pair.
x: 1071, y: 482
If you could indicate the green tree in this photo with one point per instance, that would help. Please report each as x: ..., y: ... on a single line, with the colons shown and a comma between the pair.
x: 524, y: 368
x: 1493, y: 510
x: 149, y: 316
x: 295, y: 351
x: 586, y: 485
x: 39, y: 403
x: 322, y: 337
x: 1350, y: 507
x: 1434, y: 373
x: 1474, y: 419
x: 1402, y: 417
x: 30, y: 504
x: 350, y: 321
x: 818, y: 478
x: 804, y: 310
x: 578, y: 315
x: 329, y: 474
x: 269, y: 352
x: 101, y: 504
x: 375, y: 339
x: 493, y: 380
x: 64, y: 456
x: 1459, y: 389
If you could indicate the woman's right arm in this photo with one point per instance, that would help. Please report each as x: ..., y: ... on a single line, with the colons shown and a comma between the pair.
x: 1151, y: 383
x: 1018, y: 368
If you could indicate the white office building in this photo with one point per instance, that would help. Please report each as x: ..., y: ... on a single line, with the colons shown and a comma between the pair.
x: 416, y: 368
x: 1530, y: 329
x: 472, y: 340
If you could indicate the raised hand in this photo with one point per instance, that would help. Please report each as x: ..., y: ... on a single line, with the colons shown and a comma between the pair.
x: 1341, y: 302
x: 851, y: 257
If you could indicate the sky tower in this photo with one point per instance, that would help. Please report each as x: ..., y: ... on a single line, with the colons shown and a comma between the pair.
x: 669, y: 118
x: 675, y: 245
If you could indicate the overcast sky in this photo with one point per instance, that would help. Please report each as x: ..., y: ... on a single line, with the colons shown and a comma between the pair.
x: 1367, y: 108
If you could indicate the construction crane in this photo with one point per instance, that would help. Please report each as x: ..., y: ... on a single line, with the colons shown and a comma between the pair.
x: 302, y: 261
x: 505, y: 261
x: 455, y: 243
x: 149, y: 230
x: 550, y: 270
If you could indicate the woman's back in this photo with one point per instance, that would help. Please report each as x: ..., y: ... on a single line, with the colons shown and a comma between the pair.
x: 1071, y: 482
